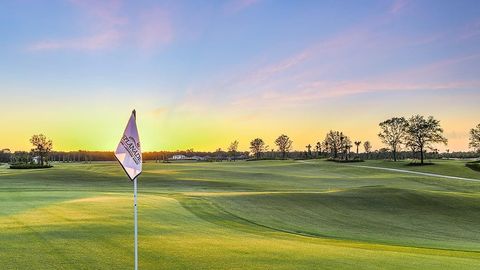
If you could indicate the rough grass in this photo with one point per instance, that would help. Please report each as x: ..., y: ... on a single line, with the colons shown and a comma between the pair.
x: 239, y: 215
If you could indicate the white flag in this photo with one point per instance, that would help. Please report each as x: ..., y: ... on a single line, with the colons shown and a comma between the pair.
x: 128, y: 152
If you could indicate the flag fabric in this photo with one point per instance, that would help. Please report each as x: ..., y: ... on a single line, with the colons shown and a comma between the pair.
x: 129, y: 153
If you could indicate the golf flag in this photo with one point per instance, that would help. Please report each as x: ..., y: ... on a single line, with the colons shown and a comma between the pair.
x: 129, y: 153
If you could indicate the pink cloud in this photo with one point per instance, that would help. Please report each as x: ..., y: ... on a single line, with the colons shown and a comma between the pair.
x: 94, y: 42
x: 398, y: 6
x: 108, y: 28
x: 325, y: 90
x: 471, y: 30
x: 154, y: 29
x: 235, y: 6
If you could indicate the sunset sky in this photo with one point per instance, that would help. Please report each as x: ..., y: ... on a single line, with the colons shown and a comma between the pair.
x: 204, y: 73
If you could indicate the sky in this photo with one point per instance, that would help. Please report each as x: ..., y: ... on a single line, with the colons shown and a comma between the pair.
x: 202, y: 74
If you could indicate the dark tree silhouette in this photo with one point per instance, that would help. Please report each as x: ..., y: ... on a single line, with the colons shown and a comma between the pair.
x: 393, y: 133
x: 42, y: 146
x: 357, y: 143
x: 333, y: 142
x: 233, y: 148
x: 309, y: 150
x: 475, y: 138
x: 422, y: 133
x: 284, y: 144
x: 257, y: 146
x: 318, y: 147
x: 368, y: 148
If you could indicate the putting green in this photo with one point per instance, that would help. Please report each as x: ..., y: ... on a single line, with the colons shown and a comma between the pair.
x: 242, y: 215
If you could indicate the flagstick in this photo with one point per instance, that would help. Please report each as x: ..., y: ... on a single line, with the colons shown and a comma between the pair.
x: 135, y: 220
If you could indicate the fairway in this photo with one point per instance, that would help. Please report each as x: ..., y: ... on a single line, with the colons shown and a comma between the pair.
x: 241, y: 215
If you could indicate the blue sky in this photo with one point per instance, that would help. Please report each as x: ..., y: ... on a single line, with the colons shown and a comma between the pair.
x: 203, y: 73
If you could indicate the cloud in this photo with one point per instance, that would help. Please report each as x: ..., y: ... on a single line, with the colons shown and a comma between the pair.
x: 108, y: 27
x: 94, y: 42
x: 398, y: 6
x: 235, y: 6
x: 471, y: 30
x: 154, y: 29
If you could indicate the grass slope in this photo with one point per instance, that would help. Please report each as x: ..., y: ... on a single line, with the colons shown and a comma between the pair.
x: 243, y: 215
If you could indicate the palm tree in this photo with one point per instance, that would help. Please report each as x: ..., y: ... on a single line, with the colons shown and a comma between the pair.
x: 357, y: 143
x: 326, y: 148
x: 309, y: 148
x: 319, y: 149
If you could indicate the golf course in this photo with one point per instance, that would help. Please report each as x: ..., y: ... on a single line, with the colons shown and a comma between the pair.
x: 311, y: 214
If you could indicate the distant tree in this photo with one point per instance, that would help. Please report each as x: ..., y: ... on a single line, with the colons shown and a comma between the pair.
x: 422, y: 133
x: 42, y: 146
x: 393, y: 133
x: 284, y: 144
x: 219, y: 154
x: 309, y: 150
x: 333, y: 142
x: 357, y: 143
x: 318, y: 147
x: 233, y: 148
x: 326, y: 146
x: 257, y: 146
x: 345, y: 145
x: 5, y: 155
x: 475, y: 138
x: 368, y: 148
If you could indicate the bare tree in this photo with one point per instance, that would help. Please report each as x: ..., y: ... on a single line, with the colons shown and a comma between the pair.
x: 257, y: 146
x: 393, y: 133
x: 42, y: 146
x: 475, y: 138
x: 422, y: 133
x: 233, y: 148
x: 284, y: 144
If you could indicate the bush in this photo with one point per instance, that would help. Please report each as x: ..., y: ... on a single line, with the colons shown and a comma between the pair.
x: 345, y: 161
x: 420, y: 164
x: 29, y: 166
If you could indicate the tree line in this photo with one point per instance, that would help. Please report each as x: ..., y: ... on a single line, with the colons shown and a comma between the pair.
x: 414, y: 137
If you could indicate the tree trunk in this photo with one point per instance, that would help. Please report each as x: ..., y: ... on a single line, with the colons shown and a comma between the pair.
x: 421, y: 155
x: 394, y: 154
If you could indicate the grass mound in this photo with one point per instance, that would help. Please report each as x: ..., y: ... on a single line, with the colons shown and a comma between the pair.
x: 372, y: 214
x: 474, y: 165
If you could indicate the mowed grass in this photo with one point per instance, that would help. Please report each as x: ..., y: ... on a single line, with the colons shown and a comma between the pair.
x: 240, y: 215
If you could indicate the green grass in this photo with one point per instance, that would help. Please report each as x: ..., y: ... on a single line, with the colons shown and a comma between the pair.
x: 241, y: 215
x: 445, y: 167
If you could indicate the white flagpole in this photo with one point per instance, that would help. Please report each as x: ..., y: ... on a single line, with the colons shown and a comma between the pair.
x: 135, y: 220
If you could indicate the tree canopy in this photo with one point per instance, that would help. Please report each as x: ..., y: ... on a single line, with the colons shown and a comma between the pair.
x: 284, y: 144
x: 393, y: 133
x: 475, y: 138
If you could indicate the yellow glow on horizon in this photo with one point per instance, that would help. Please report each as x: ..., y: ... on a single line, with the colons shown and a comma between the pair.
x: 101, y: 131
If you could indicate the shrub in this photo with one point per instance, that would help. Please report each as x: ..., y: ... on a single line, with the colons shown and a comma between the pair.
x: 345, y: 161
x: 29, y: 166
